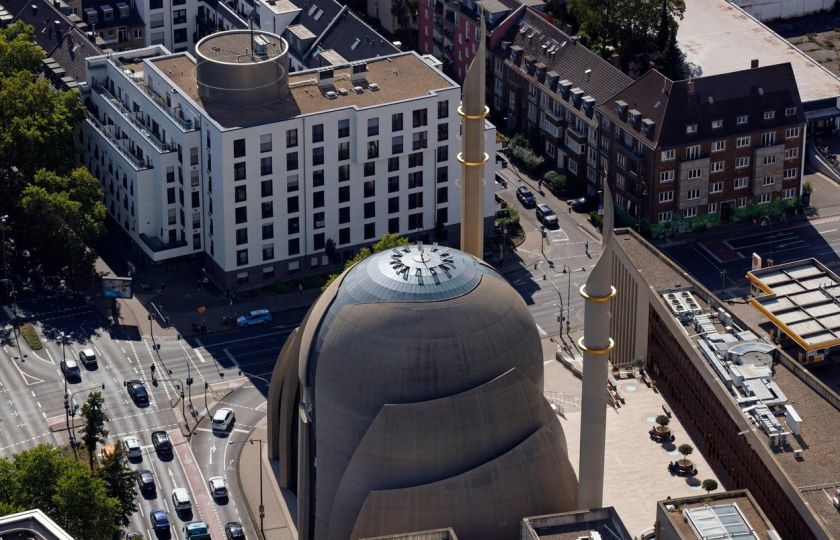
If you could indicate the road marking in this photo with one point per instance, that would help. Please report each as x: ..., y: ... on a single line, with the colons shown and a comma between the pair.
x: 28, y: 379
x: 542, y: 332
x: 200, y: 357
x: 212, y: 451
x: 828, y: 231
x: 239, y: 430
x: 38, y: 403
x: 26, y: 441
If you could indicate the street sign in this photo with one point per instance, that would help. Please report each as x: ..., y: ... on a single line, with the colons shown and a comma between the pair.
x: 117, y: 287
x: 756, y: 262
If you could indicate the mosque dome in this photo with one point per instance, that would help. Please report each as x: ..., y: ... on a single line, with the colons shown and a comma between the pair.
x: 410, y: 398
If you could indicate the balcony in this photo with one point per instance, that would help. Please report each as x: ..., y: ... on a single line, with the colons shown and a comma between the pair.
x: 186, y: 125
x: 156, y: 245
x: 159, y: 145
x: 117, y: 143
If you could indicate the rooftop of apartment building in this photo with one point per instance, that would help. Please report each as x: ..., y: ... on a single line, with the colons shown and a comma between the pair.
x: 815, y: 471
x: 60, y: 34
x: 348, y: 39
x: 728, y: 514
x: 564, y: 56
x: 659, y: 110
x: 31, y: 524
x: 390, y: 79
x: 110, y: 13
x: 575, y: 525
x: 719, y: 37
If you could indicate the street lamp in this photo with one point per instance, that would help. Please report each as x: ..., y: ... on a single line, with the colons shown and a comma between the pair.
x: 568, y: 271
x: 769, y: 222
x: 262, y: 507
x: 3, y: 220
x: 152, y: 326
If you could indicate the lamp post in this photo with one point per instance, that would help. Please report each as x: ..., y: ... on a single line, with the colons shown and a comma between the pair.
x: 769, y: 222
x: 568, y: 271
x: 152, y: 326
x: 3, y: 220
x: 262, y: 507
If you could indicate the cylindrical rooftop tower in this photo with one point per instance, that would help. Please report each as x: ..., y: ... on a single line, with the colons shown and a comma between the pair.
x: 242, y: 68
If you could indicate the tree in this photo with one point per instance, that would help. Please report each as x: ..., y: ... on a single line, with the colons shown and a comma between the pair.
x: 119, y: 480
x: 84, y: 508
x: 709, y: 485
x: 555, y: 181
x: 18, y: 51
x: 93, y: 432
x: 663, y: 420
x: 685, y: 450
x: 388, y: 241
x: 329, y: 248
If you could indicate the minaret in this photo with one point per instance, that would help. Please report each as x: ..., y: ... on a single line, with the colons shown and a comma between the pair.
x: 596, y: 345
x: 472, y: 158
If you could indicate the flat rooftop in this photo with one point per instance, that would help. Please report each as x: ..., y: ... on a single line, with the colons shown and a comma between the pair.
x: 801, y: 299
x: 399, y: 77
x: 718, y: 37
x: 731, y: 512
x: 236, y: 47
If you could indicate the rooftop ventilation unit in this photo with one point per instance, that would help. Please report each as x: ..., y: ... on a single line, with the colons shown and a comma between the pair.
x: 260, y: 46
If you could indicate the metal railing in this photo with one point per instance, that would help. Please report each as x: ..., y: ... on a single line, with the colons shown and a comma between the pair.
x: 134, y: 160
x: 142, y: 128
x: 186, y: 125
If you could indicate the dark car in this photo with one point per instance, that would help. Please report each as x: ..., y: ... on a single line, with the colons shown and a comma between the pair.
x: 234, y: 531
x: 546, y: 216
x: 159, y: 519
x: 145, y: 481
x: 137, y: 391
x: 525, y: 196
x: 578, y: 204
x: 161, y: 442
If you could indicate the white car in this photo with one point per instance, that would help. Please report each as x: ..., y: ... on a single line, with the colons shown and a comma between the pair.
x: 131, y: 446
x: 218, y: 488
x: 181, y: 499
x: 223, y: 419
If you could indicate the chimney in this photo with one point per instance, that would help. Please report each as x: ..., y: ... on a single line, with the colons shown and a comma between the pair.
x: 754, y: 63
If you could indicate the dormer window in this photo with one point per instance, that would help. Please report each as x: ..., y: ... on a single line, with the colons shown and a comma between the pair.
x: 742, y: 119
x: 790, y: 111
x: 691, y: 128
x: 769, y: 115
x: 717, y: 124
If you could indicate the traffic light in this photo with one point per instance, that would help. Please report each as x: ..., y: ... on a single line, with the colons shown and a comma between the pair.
x: 153, y: 369
x: 189, y: 381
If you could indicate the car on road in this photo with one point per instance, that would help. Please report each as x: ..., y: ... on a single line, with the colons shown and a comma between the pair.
x: 132, y: 449
x: 181, y: 499
x: 196, y: 530
x: 252, y: 318
x: 546, y: 216
x: 70, y: 369
x: 87, y: 357
x: 223, y: 419
x: 146, y: 481
x: 579, y: 204
x: 218, y: 487
x: 159, y: 520
x: 161, y: 442
x: 137, y: 391
x: 525, y: 196
x: 234, y: 531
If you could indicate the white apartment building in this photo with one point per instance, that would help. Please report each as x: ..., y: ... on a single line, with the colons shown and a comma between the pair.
x: 261, y: 171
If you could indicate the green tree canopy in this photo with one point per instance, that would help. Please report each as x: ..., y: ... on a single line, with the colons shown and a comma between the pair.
x: 709, y: 485
x: 93, y: 432
x: 18, y: 51
x: 119, y: 480
x: 388, y: 241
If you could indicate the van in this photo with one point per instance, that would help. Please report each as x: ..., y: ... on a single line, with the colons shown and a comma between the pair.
x: 87, y: 357
x: 196, y: 530
x: 181, y: 499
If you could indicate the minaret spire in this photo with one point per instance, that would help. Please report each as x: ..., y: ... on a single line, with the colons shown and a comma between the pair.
x: 596, y: 345
x: 473, y: 111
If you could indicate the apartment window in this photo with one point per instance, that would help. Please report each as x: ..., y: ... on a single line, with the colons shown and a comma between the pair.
x: 419, y: 140
x: 742, y: 142
x: 393, y: 184
x: 442, y: 195
x: 791, y: 153
x: 442, y: 132
x: 194, y: 155
x: 742, y: 119
x: 268, y: 231
x: 693, y: 194
x: 715, y: 187
x: 415, y: 180
x: 242, y: 257
x: 370, y: 231
x: 791, y: 133
x: 691, y: 128
x: 370, y: 210
x: 714, y: 208
x: 692, y: 152
x: 294, y: 246
x: 717, y: 166
x: 666, y: 196
x: 318, y: 243
x: 344, y: 236
x: 443, y: 109
x: 442, y: 174
x: 419, y: 118
x: 741, y: 162
x: 239, y: 148
x: 292, y: 183
x: 170, y: 196
x: 265, y: 166
x: 241, y: 236
x: 790, y: 174
x: 393, y: 205
x: 718, y: 146
x: 318, y: 199
x: 268, y: 252
x: 769, y: 180
x: 239, y: 171
x: 790, y: 111
x: 717, y: 124
x: 689, y: 212
x: 369, y: 188
x: 292, y: 161
x: 266, y: 188
x: 370, y: 168
x: 415, y: 221
x: 373, y: 149
x: 317, y: 156
x: 741, y: 202
x: 373, y: 127
x: 415, y: 159
x: 393, y: 164
x: 291, y: 138
x: 768, y: 138
x: 170, y: 174
x: 240, y: 194
x: 241, y: 214
x: 394, y: 225
x: 293, y: 225
x: 344, y: 215
x: 344, y: 194
x: 397, y: 144
x: 665, y: 217
x: 343, y: 173
x: 619, y: 158
x: 415, y: 200
x: 318, y: 221
x: 442, y: 154
x: 668, y: 155
x: 292, y: 205
x: 666, y: 176
x: 265, y: 142
x: 179, y: 16
x: 397, y: 122
x: 619, y: 181
x: 769, y: 160
x: 694, y: 174
x: 769, y: 115
x: 195, y: 201
x: 765, y: 198
x: 789, y: 193
x: 318, y: 133
x: 343, y: 151
x: 343, y: 128
x: 742, y: 182
x: 267, y: 209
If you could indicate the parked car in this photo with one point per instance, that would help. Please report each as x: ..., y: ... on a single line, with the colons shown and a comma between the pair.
x: 131, y: 446
x: 196, y: 530
x: 223, y: 419
x: 87, y: 357
x: 181, y: 499
x: 70, y: 369
x: 579, y: 203
x: 137, y: 392
x: 258, y: 316
x: 159, y: 519
x: 161, y: 442
x: 546, y: 216
x: 218, y: 487
x: 525, y: 196
x: 145, y: 481
x: 234, y: 531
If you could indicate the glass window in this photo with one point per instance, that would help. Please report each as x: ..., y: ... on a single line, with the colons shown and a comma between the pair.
x: 393, y: 184
x: 291, y: 138
x: 397, y: 122
x: 241, y: 236
x: 240, y: 194
x: 344, y: 236
x: 268, y: 231
x: 344, y: 214
x: 373, y: 127
x: 443, y: 109
x: 419, y: 118
x: 292, y: 205
x: 393, y: 205
x: 370, y: 210
x: 241, y: 214
x: 265, y: 142
x: 373, y: 149
x: 318, y: 156
x: 265, y: 165
x: 318, y: 199
x: 343, y: 173
x: 397, y: 144
x: 266, y: 188
x: 370, y: 168
x: 369, y: 188
x: 343, y: 151
x: 294, y: 225
x: 242, y: 257
x: 292, y: 161
x: 318, y: 133
x: 318, y: 178
x: 343, y: 128
x: 370, y: 231
x: 344, y: 194
x: 294, y: 246
x: 393, y: 164
x: 239, y: 148
x: 239, y: 171
x: 443, y: 132
x: 268, y: 209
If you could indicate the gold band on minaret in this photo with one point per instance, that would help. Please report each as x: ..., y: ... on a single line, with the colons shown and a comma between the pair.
x: 473, y: 163
x: 590, y: 298
x: 482, y: 116
x: 596, y: 352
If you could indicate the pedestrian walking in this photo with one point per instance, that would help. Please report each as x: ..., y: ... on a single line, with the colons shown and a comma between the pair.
x: 586, y: 247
